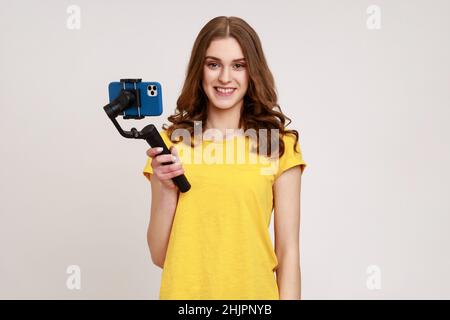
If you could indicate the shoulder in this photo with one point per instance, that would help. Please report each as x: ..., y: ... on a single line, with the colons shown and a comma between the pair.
x: 290, y: 143
x: 292, y: 155
x: 288, y: 138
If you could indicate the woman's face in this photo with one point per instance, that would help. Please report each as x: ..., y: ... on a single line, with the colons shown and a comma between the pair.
x: 225, y: 75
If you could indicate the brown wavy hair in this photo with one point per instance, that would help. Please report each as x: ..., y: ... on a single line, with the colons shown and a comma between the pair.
x: 260, y: 101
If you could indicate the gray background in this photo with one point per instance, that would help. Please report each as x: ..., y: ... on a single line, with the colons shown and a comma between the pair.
x: 371, y: 106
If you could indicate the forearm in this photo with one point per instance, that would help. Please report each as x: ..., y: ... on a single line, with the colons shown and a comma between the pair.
x: 164, y: 203
x: 289, y: 277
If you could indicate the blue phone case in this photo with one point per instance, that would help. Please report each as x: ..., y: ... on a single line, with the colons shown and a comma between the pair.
x: 150, y: 98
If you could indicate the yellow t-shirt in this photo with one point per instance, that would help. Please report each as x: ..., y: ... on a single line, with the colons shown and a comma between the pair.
x: 220, y: 246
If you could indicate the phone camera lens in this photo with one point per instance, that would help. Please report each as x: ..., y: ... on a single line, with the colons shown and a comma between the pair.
x: 152, y: 90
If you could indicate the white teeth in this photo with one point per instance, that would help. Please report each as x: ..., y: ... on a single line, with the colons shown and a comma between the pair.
x: 222, y: 90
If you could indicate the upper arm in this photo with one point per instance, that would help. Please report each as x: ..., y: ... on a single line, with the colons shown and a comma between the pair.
x: 286, y: 190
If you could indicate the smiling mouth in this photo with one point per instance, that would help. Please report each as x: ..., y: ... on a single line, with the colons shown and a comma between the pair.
x: 224, y: 92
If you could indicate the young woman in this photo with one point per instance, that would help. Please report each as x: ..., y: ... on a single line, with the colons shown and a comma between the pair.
x: 213, y: 242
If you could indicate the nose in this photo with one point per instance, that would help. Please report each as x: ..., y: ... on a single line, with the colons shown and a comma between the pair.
x: 224, y: 76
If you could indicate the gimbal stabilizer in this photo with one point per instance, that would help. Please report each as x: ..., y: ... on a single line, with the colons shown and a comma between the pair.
x: 149, y: 133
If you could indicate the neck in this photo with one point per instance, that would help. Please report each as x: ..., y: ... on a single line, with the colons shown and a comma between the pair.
x: 224, y: 119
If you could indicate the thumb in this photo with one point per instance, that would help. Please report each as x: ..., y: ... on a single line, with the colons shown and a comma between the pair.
x: 174, y: 151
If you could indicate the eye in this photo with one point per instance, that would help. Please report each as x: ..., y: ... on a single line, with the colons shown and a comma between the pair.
x: 239, y: 65
x: 212, y: 64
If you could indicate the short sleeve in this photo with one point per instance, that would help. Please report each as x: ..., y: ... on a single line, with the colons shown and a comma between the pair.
x: 148, y: 170
x: 290, y: 158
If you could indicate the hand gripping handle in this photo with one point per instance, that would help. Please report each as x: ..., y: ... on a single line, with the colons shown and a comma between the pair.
x: 154, y: 139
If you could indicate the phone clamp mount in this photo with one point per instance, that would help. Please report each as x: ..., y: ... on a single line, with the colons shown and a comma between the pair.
x: 131, y: 97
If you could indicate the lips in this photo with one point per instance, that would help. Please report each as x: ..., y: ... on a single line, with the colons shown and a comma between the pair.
x: 224, y: 92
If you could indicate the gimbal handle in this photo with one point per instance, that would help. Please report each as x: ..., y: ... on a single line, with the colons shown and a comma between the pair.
x: 152, y: 136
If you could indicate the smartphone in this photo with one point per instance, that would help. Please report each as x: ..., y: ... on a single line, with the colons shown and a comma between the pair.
x: 149, y: 102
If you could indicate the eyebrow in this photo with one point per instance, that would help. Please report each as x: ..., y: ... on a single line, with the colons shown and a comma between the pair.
x: 215, y: 58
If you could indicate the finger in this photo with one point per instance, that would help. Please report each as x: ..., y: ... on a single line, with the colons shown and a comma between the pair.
x: 163, y: 158
x: 169, y: 168
x: 153, y: 152
x: 174, y: 151
x: 158, y: 163
x: 166, y: 176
